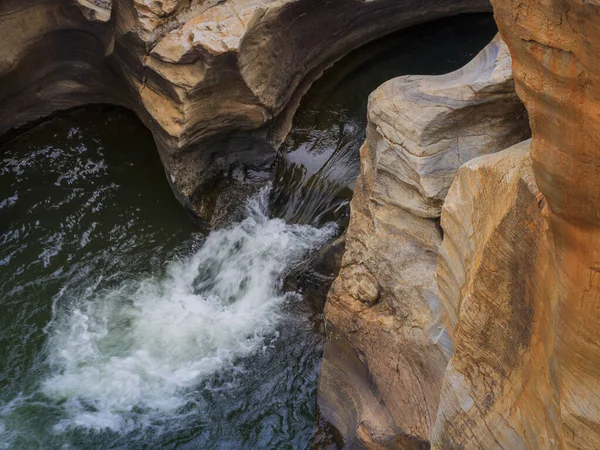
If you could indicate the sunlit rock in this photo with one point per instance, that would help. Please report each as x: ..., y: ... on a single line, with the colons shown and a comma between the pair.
x: 500, y: 388
x: 96, y: 10
x: 528, y: 375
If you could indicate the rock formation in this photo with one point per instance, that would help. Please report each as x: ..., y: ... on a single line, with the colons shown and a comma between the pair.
x: 493, y: 274
x: 198, y: 73
x: 387, y: 347
x: 493, y: 344
x: 517, y: 273
x: 431, y: 125
x: 558, y: 79
x: 526, y: 370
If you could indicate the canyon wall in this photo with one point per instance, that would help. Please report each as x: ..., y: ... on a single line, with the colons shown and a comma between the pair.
x: 217, y: 82
x: 557, y: 73
x: 387, y: 344
x: 500, y: 387
x: 517, y: 273
x: 526, y: 370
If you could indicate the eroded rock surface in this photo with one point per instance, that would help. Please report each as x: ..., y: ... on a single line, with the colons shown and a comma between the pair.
x: 434, y: 124
x: 194, y: 71
x: 387, y: 346
x: 528, y: 375
x: 385, y: 341
x: 501, y: 387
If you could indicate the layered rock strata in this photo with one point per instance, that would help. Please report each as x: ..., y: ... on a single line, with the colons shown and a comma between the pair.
x: 558, y: 79
x: 196, y: 72
x: 432, y: 125
x: 387, y: 346
x: 518, y: 267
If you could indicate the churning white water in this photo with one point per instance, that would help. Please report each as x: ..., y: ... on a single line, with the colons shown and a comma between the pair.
x: 142, y: 348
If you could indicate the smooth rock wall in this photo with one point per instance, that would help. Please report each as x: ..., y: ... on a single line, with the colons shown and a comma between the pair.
x: 518, y: 271
x: 518, y: 267
x: 501, y: 387
x: 434, y: 124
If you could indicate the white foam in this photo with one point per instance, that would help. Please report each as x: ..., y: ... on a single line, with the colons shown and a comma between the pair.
x: 145, y: 345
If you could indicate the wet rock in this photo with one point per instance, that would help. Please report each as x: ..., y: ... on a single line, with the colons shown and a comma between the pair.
x: 314, y: 277
x: 241, y: 170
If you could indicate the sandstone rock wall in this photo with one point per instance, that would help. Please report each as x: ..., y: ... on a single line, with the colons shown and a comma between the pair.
x: 193, y: 70
x: 388, y: 346
x: 518, y: 266
x: 431, y: 125
x: 500, y: 387
x: 557, y: 73
x: 526, y: 370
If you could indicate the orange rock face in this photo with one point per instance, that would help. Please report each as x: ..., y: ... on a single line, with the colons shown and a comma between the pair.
x: 493, y: 275
x: 557, y: 72
x: 387, y: 349
x: 521, y: 285
x: 519, y: 267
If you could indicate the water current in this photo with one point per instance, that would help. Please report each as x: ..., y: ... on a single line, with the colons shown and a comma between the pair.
x: 123, y: 326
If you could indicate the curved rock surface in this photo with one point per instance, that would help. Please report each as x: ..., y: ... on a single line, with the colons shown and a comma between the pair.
x: 432, y: 125
x: 387, y: 347
x: 193, y: 70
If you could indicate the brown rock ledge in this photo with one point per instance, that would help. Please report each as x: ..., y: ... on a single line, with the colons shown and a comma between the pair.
x: 194, y: 71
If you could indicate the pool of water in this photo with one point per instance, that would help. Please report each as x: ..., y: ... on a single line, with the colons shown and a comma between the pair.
x: 123, y: 326
x: 319, y: 162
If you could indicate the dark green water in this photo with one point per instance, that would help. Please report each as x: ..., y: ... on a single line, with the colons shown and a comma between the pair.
x: 122, y: 326
x: 316, y: 172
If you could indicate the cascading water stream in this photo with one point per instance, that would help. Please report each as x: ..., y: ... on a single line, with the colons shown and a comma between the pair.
x: 133, y: 355
x: 121, y: 326
x: 121, y: 356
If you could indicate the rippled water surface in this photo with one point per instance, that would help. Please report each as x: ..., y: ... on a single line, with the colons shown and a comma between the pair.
x: 122, y: 326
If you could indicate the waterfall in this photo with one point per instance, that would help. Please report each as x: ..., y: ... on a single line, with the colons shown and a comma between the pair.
x: 120, y: 356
